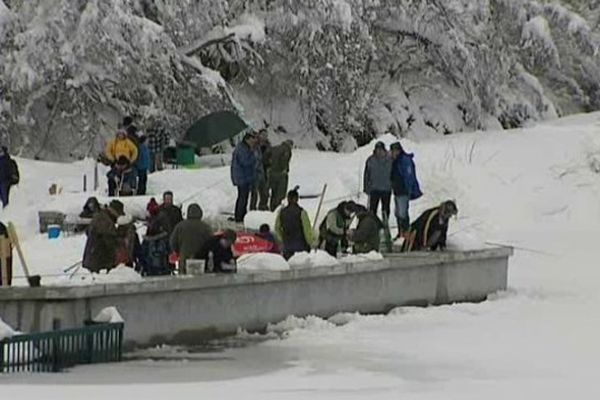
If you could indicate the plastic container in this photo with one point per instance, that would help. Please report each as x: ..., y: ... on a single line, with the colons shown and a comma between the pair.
x: 53, y: 231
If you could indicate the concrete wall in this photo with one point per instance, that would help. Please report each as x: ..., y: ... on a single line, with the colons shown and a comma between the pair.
x: 189, y: 309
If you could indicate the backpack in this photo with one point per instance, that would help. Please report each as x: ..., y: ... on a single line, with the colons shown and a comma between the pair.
x: 13, y: 169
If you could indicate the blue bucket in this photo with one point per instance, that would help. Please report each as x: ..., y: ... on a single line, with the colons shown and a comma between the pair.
x: 53, y: 231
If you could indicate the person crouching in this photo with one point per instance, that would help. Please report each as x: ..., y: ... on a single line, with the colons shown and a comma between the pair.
x: 293, y: 227
x: 430, y: 230
x: 218, y: 253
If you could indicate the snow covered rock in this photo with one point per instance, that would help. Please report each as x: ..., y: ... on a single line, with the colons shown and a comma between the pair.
x: 259, y: 262
x: 5, y: 330
x: 313, y: 259
x: 108, y: 315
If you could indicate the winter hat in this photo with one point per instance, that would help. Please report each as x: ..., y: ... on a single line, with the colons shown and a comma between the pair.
x: 117, y: 207
x: 380, y: 145
x: 230, y: 235
x: 194, y: 211
x: 396, y: 146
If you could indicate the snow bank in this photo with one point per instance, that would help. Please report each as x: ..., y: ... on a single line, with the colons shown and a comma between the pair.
x: 313, y: 259
x: 108, y: 315
x: 291, y: 323
x: 357, y: 258
x: 83, y: 277
x: 254, y: 219
x: 257, y: 262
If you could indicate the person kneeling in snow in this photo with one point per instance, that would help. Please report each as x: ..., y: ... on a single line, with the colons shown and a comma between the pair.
x: 293, y: 227
x: 218, y: 253
x: 366, y: 234
x: 333, y: 231
x: 189, y: 236
x: 430, y: 230
x: 103, y: 238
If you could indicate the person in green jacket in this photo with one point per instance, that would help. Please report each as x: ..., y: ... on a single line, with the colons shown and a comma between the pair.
x: 293, y: 228
x: 333, y: 231
x: 278, y: 171
x: 189, y: 236
x: 366, y: 234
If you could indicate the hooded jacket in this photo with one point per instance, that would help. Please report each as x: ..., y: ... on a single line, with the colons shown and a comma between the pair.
x: 366, y: 235
x: 189, y: 236
x: 243, y: 165
x: 404, y: 177
x: 377, y: 176
x: 117, y: 148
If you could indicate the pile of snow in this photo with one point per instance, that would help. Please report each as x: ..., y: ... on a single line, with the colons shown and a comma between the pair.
x: 254, y: 219
x: 108, y: 315
x: 358, y: 258
x: 292, y: 323
x: 5, y: 330
x: 258, y: 262
x: 83, y: 277
x: 318, y: 258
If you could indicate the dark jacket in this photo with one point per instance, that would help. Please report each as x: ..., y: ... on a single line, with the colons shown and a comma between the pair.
x: 293, y: 228
x: 279, y: 159
x: 167, y: 219
x: 102, y: 242
x: 5, y: 169
x: 404, y: 177
x: 143, y: 162
x: 189, y: 236
x: 243, y: 165
x: 428, y: 232
x: 220, y: 255
x: 366, y: 235
x: 377, y: 176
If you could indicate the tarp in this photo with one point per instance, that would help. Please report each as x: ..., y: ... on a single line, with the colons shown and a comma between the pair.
x: 247, y: 243
x: 215, y: 128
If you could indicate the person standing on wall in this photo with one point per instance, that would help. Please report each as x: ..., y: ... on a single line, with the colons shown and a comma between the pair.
x: 9, y: 175
x: 377, y: 182
x: 279, y: 169
x: 405, y: 186
x: 243, y: 173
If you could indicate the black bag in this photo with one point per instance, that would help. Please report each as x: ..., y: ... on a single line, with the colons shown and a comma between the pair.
x: 15, y: 177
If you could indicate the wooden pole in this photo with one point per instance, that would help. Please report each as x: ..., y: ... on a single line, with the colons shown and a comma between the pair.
x: 84, y: 183
x: 14, y: 239
x: 96, y: 176
x: 319, y: 207
x: 4, y: 257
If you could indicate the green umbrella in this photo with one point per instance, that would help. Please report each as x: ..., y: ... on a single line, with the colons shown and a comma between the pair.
x: 215, y: 128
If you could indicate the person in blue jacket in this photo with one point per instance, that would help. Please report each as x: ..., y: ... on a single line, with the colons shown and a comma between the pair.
x: 404, y: 185
x: 243, y: 173
x: 143, y: 165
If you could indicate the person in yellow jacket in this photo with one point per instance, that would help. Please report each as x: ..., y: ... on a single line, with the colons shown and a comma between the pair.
x: 121, y: 146
x: 293, y: 228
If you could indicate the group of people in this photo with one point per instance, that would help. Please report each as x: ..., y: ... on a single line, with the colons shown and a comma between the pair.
x: 132, y: 156
x: 9, y: 175
x: 112, y: 239
x: 260, y: 172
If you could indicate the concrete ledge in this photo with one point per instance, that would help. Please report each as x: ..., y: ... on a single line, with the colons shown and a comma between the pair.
x: 187, y: 309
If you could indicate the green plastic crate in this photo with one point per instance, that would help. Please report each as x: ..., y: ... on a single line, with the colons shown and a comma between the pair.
x: 186, y: 155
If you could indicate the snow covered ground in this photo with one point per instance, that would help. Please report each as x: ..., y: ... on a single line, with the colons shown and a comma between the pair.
x: 537, y: 189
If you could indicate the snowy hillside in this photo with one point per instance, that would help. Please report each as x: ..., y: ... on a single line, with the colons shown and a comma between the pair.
x: 331, y: 72
x: 537, y: 189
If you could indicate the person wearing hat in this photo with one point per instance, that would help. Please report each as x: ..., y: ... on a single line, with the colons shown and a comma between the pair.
x: 243, y: 173
x: 278, y: 172
x: 404, y: 185
x: 103, y: 238
x: 218, y: 253
x: 121, y: 146
x: 377, y: 182
x: 430, y: 230
x: 333, y: 231
x: 293, y: 227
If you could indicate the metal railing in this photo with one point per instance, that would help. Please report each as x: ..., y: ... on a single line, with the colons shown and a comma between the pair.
x: 57, y: 350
